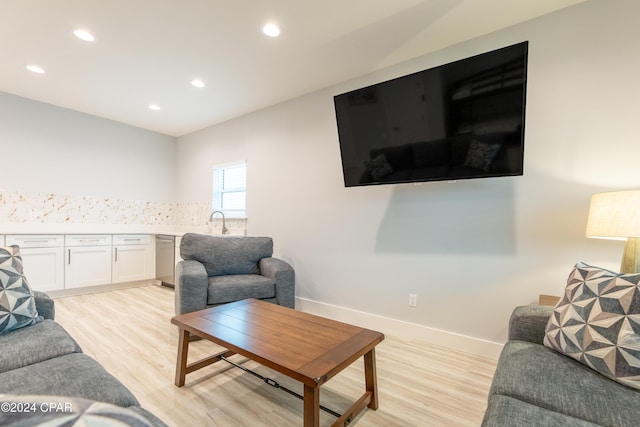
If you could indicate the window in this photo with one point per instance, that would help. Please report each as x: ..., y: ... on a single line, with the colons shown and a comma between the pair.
x: 230, y: 189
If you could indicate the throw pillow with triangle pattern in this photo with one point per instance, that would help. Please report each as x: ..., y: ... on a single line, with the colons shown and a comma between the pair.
x: 17, y: 304
x: 597, y: 322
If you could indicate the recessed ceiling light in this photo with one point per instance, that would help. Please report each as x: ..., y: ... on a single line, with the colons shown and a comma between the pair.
x: 271, y: 30
x: 84, y: 35
x: 35, y: 69
x: 154, y: 107
x: 197, y: 83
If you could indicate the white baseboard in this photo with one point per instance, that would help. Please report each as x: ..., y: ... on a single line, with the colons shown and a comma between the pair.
x: 401, y: 328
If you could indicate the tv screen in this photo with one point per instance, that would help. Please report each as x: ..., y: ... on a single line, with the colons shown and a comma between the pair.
x: 457, y: 121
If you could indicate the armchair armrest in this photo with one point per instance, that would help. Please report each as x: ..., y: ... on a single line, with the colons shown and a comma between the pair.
x: 527, y: 323
x: 191, y: 287
x: 284, y: 277
x: 45, y: 305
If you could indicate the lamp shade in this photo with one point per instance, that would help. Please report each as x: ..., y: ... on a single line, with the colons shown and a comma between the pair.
x: 614, y: 215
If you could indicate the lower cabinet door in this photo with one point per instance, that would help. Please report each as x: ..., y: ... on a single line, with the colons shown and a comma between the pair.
x: 44, y: 268
x: 87, y: 266
x: 132, y: 262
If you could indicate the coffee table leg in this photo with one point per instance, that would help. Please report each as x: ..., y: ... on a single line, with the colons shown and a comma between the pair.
x: 371, y: 377
x: 181, y: 362
x: 311, y: 406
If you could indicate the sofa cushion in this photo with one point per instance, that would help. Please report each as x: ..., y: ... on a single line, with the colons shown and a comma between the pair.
x: 507, y: 411
x: 597, y: 322
x: 540, y: 376
x: 17, y: 305
x: 72, y: 375
x: 42, y: 341
x: 223, y: 255
x: 56, y: 411
x: 223, y: 289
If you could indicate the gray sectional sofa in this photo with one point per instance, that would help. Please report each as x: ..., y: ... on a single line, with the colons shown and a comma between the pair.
x: 537, y: 386
x: 42, y: 364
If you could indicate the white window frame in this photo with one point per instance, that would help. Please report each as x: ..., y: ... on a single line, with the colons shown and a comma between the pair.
x: 219, y: 190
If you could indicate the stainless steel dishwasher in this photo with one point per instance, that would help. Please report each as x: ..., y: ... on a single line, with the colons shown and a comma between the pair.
x: 165, y: 259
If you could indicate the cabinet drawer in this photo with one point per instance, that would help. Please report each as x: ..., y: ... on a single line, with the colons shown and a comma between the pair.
x: 131, y: 239
x: 87, y: 240
x: 34, y: 240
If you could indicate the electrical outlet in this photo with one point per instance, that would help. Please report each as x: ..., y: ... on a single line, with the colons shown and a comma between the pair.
x: 413, y: 300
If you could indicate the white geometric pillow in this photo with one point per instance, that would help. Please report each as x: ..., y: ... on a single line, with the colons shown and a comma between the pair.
x: 597, y: 322
x: 17, y: 304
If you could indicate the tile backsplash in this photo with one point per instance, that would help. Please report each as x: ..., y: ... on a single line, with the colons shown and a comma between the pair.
x: 16, y: 207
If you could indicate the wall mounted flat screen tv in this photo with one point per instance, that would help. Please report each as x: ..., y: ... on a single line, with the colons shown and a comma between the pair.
x: 460, y: 120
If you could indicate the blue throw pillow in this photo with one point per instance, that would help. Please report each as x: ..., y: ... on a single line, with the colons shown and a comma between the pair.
x: 17, y: 304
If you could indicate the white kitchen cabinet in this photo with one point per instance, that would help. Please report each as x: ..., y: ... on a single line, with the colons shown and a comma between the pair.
x: 87, y: 260
x: 132, y: 258
x: 42, y: 260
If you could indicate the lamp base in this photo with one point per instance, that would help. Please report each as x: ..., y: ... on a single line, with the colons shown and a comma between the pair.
x: 631, y: 256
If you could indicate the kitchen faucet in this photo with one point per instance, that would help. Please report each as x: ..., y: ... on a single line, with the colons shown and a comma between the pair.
x: 224, y: 228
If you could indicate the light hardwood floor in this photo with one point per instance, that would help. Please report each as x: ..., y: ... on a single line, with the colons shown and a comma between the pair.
x: 129, y: 332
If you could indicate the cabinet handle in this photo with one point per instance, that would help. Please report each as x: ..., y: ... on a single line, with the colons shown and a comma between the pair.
x: 116, y: 254
x: 69, y: 256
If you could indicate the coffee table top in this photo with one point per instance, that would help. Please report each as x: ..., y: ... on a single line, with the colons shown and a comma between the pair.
x: 308, y: 348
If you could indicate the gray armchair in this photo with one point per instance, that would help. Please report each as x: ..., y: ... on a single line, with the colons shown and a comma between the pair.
x: 221, y: 269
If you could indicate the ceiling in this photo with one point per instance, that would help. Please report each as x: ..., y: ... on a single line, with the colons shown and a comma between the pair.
x: 148, y: 51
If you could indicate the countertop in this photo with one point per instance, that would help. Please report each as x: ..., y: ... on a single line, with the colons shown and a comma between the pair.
x: 54, y: 228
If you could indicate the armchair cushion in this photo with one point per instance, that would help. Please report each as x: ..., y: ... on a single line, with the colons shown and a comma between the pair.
x: 224, y: 289
x: 223, y: 256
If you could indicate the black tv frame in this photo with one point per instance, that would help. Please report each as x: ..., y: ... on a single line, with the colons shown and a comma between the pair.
x: 482, y: 106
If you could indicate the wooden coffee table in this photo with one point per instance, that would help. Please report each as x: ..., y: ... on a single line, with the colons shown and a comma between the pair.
x: 307, y: 348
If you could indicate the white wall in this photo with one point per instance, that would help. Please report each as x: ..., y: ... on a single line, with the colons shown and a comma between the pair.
x: 471, y: 250
x: 48, y: 149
